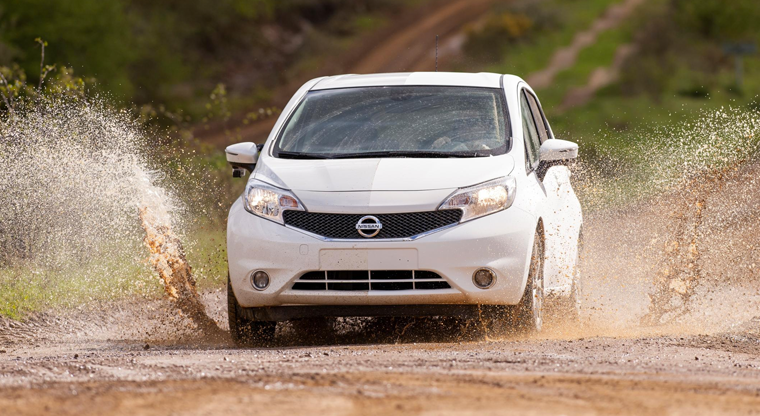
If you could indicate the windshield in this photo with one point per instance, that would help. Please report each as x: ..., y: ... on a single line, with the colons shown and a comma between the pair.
x: 396, y: 122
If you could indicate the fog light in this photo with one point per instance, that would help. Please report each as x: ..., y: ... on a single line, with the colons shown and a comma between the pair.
x: 260, y: 280
x: 484, y: 278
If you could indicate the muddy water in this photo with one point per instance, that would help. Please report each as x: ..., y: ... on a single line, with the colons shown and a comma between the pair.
x: 82, y: 190
x: 167, y: 256
x: 684, y: 257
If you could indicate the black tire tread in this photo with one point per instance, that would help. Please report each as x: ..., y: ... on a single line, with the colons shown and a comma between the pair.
x: 245, y: 332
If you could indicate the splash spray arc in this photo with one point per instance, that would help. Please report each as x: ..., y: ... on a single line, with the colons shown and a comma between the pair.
x: 681, y: 273
x: 167, y: 256
x: 78, y: 181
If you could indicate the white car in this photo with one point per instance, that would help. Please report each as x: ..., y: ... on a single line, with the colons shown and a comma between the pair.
x: 405, y: 194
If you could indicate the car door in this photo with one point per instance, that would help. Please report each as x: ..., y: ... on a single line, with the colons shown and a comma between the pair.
x: 562, y: 211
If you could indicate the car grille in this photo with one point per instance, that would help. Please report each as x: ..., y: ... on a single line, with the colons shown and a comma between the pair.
x: 363, y: 280
x: 343, y: 226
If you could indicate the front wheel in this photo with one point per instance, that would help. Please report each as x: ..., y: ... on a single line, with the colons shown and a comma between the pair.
x: 246, y: 332
x: 530, y: 310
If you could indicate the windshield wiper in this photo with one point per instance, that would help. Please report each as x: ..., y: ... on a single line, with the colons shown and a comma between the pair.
x: 300, y: 155
x: 399, y: 153
x: 369, y: 155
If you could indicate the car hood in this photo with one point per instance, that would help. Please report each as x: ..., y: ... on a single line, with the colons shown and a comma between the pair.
x: 389, y: 174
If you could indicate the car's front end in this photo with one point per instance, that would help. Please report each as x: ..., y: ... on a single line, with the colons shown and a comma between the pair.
x: 428, y: 256
x: 374, y: 198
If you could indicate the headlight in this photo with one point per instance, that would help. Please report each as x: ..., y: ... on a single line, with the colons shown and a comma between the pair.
x: 268, y: 201
x: 482, y: 199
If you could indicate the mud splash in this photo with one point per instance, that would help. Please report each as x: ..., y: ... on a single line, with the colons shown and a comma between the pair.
x: 83, y: 190
x: 167, y: 256
x: 682, y: 202
x: 676, y: 282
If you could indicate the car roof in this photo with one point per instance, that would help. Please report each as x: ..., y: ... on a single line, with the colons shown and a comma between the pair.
x: 454, y: 79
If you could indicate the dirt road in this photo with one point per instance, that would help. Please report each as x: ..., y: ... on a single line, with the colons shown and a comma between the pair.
x: 643, y: 374
x: 139, y: 358
x: 566, y: 57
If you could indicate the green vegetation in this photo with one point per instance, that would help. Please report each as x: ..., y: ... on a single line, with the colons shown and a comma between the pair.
x: 173, y: 52
x: 678, y: 76
x: 190, y: 62
x: 28, y: 287
x: 551, y: 24
x: 25, y: 288
x: 679, y: 68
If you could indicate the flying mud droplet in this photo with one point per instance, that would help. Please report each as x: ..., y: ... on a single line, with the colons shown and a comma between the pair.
x: 167, y: 256
x: 681, y: 272
x: 76, y: 173
x: 670, y: 215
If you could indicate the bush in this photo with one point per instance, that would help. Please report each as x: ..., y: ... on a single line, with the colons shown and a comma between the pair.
x: 498, y: 31
x: 175, y: 51
x: 680, y: 46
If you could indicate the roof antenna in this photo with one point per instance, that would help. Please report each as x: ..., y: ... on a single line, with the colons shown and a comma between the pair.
x: 436, y: 53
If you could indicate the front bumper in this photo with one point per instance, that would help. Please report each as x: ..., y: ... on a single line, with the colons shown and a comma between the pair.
x: 501, y: 242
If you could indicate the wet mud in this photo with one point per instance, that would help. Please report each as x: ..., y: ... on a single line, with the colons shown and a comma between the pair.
x: 670, y: 322
x: 167, y: 256
x: 141, y: 357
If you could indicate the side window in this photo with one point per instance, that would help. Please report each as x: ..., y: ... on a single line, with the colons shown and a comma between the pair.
x: 538, y: 117
x: 530, y: 134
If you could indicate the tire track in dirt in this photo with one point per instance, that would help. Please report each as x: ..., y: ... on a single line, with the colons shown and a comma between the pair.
x: 599, y: 78
x: 409, y: 47
x: 405, y: 49
x: 566, y: 57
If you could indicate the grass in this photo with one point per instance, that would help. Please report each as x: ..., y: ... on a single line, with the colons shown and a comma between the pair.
x: 600, y: 54
x: 206, y: 252
x: 536, y: 53
x: 28, y: 288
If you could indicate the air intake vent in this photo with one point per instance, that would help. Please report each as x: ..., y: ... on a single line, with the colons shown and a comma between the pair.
x: 343, y: 226
x: 363, y: 280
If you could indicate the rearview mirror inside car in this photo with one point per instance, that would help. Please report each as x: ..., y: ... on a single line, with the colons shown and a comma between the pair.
x: 242, y: 157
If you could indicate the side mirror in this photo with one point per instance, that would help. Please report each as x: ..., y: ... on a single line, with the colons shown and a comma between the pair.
x: 555, y: 152
x: 242, y: 157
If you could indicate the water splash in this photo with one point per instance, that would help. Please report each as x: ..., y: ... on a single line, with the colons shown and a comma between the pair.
x: 81, y: 187
x: 677, y: 198
x: 167, y: 256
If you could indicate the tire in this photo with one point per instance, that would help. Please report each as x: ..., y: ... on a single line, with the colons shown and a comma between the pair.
x: 530, y: 310
x: 246, y: 332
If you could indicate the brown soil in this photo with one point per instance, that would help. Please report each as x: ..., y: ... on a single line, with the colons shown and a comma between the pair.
x: 646, y: 374
x: 141, y: 358
x: 167, y: 256
x: 407, y: 49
